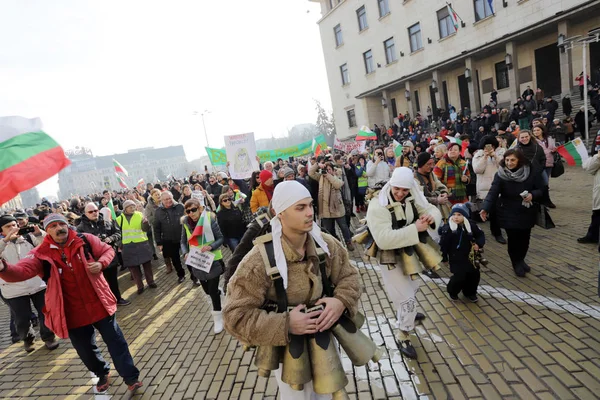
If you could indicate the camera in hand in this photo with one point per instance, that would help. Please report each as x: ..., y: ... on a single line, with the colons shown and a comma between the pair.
x: 25, y: 230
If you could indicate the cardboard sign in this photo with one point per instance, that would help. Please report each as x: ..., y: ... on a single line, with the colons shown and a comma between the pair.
x: 197, y: 259
x: 241, y: 154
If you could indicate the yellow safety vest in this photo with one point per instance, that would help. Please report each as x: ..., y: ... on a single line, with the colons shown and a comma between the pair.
x: 132, y: 230
x: 218, y: 254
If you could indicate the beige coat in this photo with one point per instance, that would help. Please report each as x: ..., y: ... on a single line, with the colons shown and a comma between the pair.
x: 592, y: 165
x: 250, y: 286
x: 330, y: 200
x: 485, y: 168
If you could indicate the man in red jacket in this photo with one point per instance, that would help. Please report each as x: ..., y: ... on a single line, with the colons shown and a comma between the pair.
x: 78, y: 298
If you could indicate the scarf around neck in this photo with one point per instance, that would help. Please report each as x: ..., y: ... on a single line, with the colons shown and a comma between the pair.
x: 268, y: 190
x: 202, y: 230
x: 517, y: 176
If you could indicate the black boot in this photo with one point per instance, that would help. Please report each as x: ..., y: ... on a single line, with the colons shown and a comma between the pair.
x: 408, y: 350
x: 419, y: 317
x: 519, y: 269
x: 526, y: 267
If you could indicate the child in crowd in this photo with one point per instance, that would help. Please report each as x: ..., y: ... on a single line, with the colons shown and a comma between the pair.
x: 460, y: 238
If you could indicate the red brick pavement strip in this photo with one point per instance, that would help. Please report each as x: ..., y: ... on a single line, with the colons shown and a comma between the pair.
x: 526, y: 338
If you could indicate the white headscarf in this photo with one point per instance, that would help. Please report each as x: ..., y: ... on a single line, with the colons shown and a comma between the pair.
x: 402, y: 177
x: 286, y: 194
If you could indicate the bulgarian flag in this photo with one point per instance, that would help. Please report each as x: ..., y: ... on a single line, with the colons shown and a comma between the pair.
x: 366, y: 134
x: 111, y: 207
x: 141, y: 182
x: 316, y: 148
x: 453, y: 16
x: 397, y: 148
x: 121, y: 181
x: 120, y: 168
x: 28, y: 156
x: 574, y: 152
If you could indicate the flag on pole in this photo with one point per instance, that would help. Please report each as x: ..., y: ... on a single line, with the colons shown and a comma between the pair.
x: 120, y: 168
x: 453, y: 17
x: 28, y: 156
x: 316, y: 148
x: 111, y: 207
x: 574, y: 152
x: 397, y: 148
x: 121, y: 181
x: 366, y: 134
x: 140, y: 182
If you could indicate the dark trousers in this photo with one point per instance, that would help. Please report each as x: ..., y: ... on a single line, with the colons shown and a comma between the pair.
x: 329, y: 225
x: 21, y: 310
x: 111, y: 274
x: 360, y: 199
x: 593, y: 232
x: 171, y: 250
x: 211, y: 288
x: 518, y: 244
x: 84, y: 341
x: 494, y: 224
x: 232, y: 243
x: 151, y: 240
x: 581, y: 92
x: 136, y: 272
x: 466, y: 281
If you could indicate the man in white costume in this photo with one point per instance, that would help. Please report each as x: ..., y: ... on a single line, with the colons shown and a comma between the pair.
x: 413, y: 214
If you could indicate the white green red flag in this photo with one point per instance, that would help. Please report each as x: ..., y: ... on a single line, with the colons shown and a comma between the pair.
x: 316, y: 148
x: 397, y: 148
x: 574, y: 152
x: 111, y: 207
x: 120, y: 168
x: 28, y: 156
x: 140, y: 182
x: 121, y: 181
x: 366, y: 134
x: 453, y: 16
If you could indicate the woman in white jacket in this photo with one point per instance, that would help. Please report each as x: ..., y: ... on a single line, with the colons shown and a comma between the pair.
x: 592, y: 166
x: 485, y: 166
x: 18, y: 295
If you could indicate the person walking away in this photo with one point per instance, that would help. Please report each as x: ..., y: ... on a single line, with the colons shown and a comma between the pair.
x: 93, y: 222
x: 566, y: 105
x: 592, y: 166
x: 459, y: 238
x: 78, y: 299
x: 201, y: 231
x: 485, y: 166
x: 514, y: 189
x: 167, y: 226
x: 136, y: 250
x: 18, y: 295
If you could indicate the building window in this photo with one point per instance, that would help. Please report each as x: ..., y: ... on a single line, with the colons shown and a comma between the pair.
x: 384, y: 8
x: 368, y: 57
x: 361, y: 14
x: 414, y: 33
x: 483, y: 9
x: 390, y: 50
x: 337, y: 31
x: 445, y: 23
x: 351, y: 118
x: 502, y: 75
x: 345, y: 75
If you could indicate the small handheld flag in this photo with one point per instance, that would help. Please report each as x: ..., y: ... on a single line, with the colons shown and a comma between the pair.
x: 574, y: 152
x: 316, y: 148
x: 120, y: 168
x: 366, y: 134
x: 121, y: 181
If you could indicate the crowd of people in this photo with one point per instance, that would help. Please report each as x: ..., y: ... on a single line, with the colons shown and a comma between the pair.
x: 422, y: 187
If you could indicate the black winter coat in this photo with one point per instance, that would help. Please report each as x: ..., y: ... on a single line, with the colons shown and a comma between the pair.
x: 505, y: 196
x: 231, y: 222
x: 101, y: 229
x: 534, y: 153
x: 457, y: 245
x: 167, y: 224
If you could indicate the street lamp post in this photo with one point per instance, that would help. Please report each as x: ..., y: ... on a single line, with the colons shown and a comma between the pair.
x: 570, y: 44
x: 203, y: 123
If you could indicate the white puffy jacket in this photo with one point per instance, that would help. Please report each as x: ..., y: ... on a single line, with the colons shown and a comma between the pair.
x: 12, y: 252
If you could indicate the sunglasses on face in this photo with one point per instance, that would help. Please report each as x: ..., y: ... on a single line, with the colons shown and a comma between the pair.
x: 92, y: 212
x: 191, y: 210
x: 226, y: 201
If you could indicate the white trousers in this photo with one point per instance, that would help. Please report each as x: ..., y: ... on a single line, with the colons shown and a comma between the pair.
x: 287, y: 393
x: 403, y: 291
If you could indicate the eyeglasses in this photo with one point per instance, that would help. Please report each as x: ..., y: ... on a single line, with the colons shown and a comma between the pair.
x: 226, y: 200
x: 378, y: 153
x: 92, y: 212
x: 191, y: 210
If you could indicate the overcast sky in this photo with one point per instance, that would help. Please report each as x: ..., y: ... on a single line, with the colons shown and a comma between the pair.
x: 117, y: 75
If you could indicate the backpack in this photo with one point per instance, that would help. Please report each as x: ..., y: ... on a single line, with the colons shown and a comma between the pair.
x: 87, y: 250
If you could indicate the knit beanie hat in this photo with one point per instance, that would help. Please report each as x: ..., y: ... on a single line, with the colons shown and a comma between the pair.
x: 6, y: 219
x: 422, y: 159
x: 128, y: 203
x: 265, y: 175
x: 461, y: 208
x: 287, y: 171
x: 54, y: 218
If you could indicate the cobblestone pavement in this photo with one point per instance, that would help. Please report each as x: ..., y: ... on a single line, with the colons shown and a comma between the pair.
x: 526, y: 338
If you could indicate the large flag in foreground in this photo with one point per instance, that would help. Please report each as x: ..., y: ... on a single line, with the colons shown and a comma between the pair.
x: 28, y: 156
x: 574, y: 152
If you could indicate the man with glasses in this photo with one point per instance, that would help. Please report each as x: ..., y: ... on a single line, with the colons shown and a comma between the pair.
x: 377, y: 169
x: 167, y: 232
x: 214, y: 189
x: 93, y: 222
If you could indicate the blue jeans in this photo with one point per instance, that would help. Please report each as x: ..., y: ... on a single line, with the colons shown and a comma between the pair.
x: 232, y: 243
x: 546, y: 175
x: 84, y: 341
x: 329, y: 225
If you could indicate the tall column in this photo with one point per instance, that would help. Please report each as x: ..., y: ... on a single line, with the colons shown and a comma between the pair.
x: 474, y: 96
x: 513, y: 73
x: 439, y: 99
x: 388, y: 113
x: 410, y: 106
x: 566, y: 65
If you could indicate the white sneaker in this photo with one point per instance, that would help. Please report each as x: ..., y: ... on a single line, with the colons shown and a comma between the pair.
x: 218, y: 321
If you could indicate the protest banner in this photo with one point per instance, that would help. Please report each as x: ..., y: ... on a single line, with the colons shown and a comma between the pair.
x: 240, y: 150
x: 348, y: 147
